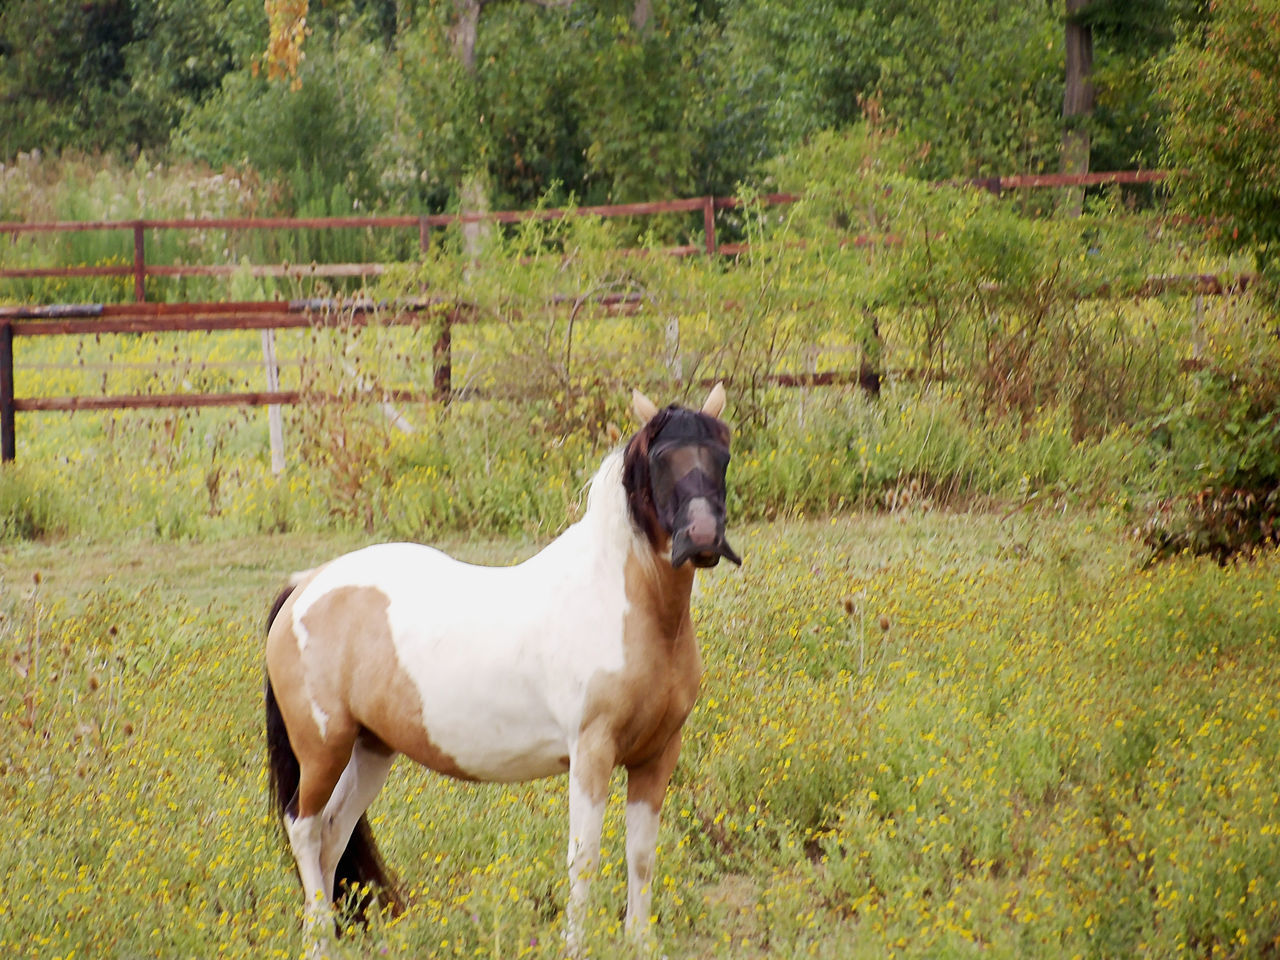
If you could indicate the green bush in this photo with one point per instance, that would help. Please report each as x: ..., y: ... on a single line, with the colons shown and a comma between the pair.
x: 1221, y: 446
x: 323, y: 129
x: 32, y: 505
x: 1222, y: 83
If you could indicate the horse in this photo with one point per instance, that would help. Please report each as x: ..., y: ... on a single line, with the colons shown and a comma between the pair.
x: 579, y: 660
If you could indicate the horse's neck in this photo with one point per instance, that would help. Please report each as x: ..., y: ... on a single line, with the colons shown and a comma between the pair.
x: 605, y: 535
x: 607, y: 542
x: 666, y: 591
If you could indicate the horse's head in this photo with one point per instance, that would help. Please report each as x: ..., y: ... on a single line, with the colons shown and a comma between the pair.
x: 674, y: 472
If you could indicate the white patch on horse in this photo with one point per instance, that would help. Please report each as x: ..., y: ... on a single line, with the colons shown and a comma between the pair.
x: 318, y: 715
x: 302, y: 637
x: 305, y: 837
x: 642, y: 841
x: 301, y: 579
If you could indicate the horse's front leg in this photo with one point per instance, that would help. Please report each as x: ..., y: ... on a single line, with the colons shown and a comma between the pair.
x: 590, y: 764
x: 646, y: 786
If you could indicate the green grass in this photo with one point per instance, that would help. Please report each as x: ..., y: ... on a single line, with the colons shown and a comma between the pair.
x: 924, y: 733
x: 99, y: 189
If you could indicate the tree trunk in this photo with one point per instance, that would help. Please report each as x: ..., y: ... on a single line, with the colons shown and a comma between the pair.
x: 1077, y: 101
x: 465, y: 29
x: 641, y: 13
x: 473, y: 192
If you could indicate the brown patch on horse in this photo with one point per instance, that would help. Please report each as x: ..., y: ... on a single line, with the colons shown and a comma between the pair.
x: 320, y: 763
x: 348, y: 629
x: 637, y: 712
x: 348, y: 672
x: 647, y: 782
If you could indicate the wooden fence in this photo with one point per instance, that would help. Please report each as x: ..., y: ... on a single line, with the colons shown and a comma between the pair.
x: 143, y: 317
x: 95, y: 319
x: 268, y: 317
x: 140, y: 269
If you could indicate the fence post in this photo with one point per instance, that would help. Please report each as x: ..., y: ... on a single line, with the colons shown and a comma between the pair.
x: 675, y: 365
x: 424, y: 234
x: 709, y: 223
x: 8, y: 443
x: 275, y: 421
x: 139, y: 263
x: 442, y: 357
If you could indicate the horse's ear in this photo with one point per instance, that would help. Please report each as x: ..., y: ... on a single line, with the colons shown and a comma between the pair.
x: 644, y: 408
x: 715, y: 401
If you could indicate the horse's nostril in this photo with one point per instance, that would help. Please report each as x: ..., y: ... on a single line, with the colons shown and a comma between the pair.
x: 702, y: 531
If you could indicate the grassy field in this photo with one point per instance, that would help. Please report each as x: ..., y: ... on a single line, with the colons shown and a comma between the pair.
x: 921, y: 733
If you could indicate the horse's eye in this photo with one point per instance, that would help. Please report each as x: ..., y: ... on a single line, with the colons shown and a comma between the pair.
x: 676, y: 462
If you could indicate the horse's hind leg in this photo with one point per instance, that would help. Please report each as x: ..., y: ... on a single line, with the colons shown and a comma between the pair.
x: 320, y: 769
x: 361, y: 779
x: 305, y: 839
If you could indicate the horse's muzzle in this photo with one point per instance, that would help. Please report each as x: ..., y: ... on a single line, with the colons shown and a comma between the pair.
x: 701, y: 539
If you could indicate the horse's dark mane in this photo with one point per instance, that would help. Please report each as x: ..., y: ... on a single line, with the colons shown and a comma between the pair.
x: 635, y: 468
x: 635, y: 477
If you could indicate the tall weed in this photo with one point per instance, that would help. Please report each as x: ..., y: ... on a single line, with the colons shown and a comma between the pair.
x: 1000, y: 371
x: 32, y: 508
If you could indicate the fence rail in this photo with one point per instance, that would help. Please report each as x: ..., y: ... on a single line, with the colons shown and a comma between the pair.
x: 16, y: 322
x: 80, y: 320
x: 141, y: 270
x: 72, y: 320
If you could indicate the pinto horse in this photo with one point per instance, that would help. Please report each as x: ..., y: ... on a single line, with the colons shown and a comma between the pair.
x: 581, y: 659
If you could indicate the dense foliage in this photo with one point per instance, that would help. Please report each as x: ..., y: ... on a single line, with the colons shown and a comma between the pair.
x: 585, y: 97
x: 114, y: 75
x: 1224, y: 91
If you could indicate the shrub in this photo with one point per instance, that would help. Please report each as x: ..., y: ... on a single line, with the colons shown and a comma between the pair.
x: 31, y: 507
x: 341, y: 108
x: 1222, y: 445
x: 1223, y: 87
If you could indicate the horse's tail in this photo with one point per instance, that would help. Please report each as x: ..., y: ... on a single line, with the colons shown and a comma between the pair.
x: 360, y: 868
x: 283, y: 771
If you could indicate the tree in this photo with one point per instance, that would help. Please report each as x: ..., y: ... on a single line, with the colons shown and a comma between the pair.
x: 978, y: 82
x: 286, y: 30
x: 182, y: 50
x: 113, y: 75
x: 321, y: 139
x: 1128, y: 37
x: 503, y: 99
x: 63, y: 77
x: 1222, y: 85
x: 775, y: 72
x: 1077, y: 100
